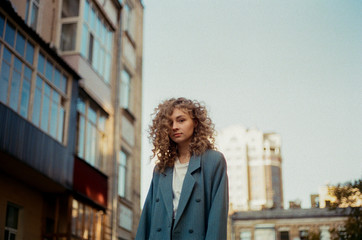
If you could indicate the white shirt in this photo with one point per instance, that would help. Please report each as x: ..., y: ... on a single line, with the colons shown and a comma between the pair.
x: 179, y: 173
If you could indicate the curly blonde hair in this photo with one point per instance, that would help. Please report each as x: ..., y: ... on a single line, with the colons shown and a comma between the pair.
x: 163, y: 147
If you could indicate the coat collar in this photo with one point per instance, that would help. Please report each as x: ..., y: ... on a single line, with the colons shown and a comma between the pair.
x: 187, y: 187
x: 166, y: 191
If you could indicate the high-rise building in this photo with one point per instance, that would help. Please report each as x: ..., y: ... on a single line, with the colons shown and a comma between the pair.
x: 70, y: 118
x: 254, y: 167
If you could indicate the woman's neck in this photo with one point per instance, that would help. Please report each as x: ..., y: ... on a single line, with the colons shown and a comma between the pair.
x: 183, y: 154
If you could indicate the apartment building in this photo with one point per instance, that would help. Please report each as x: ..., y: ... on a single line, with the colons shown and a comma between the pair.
x: 287, y: 224
x: 70, y: 114
x: 254, y: 167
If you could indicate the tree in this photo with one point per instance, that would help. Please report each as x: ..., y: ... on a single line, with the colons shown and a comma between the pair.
x: 349, y: 197
x: 314, y: 235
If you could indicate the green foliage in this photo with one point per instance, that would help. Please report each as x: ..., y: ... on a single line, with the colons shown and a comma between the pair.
x: 347, y: 195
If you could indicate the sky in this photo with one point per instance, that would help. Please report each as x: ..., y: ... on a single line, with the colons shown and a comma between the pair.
x: 290, y: 67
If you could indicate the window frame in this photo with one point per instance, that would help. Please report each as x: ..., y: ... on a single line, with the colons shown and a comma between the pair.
x: 98, y: 40
x: 9, y: 229
x: 82, y: 145
x: 30, y: 4
x: 91, y: 44
x: 15, y: 54
x: 284, y: 235
x: 71, y: 20
x: 129, y: 20
x: 64, y: 98
x: 126, y: 91
x: 245, y: 234
x: 86, y: 220
x: 124, y: 181
x: 303, y: 234
x: 28, y: 74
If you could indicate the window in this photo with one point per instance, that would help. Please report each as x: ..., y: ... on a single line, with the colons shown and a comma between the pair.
x: 15, y: 81
x: 325, y: 233
x: 91, y: 135
x: 245, y: 235
x: 96, y: 36
x: 303, y: 234
x: 31, y: 14
x: 284, y: 235
x: 96, y: 41
x: 87, y: 222
x: 126, y: 90
x: 70, y: 8
x: 70, y: 12
x: 123, y: 174
x: 129, y: 21
x: 17, y: 75
x: 50, y: 98
x: 11, y: 222
x: 264, y: 233
x: 68, y: 36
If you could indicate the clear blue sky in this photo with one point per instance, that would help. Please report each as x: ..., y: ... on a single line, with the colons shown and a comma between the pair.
x: 291, y: 67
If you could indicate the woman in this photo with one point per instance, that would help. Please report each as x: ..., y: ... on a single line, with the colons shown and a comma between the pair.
x: 188, y: 196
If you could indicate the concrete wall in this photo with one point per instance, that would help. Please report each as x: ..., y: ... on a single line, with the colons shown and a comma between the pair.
x: 30, y: 202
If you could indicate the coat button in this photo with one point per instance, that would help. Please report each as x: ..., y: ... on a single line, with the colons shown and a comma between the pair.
x: 191, y: 231
x: 158, y: 229
x: 157, y: 199
x: 198, y: 200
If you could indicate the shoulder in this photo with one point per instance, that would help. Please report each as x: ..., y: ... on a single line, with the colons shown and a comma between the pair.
x: 156, y: 173
x: 213, y: 153
x: 213, y: 157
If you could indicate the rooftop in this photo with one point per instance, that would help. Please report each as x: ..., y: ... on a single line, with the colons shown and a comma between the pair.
x: 290, y: 213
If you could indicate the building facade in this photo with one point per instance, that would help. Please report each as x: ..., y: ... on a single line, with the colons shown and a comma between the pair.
x: 70, y: 113
x: 254, y: 167
x: 289, y: 224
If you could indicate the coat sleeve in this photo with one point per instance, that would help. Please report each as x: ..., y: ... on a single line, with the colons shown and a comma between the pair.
x: 218, y: 213
x: 143, y: 230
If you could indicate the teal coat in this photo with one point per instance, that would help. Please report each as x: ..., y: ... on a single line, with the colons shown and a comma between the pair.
x: 203, y: 208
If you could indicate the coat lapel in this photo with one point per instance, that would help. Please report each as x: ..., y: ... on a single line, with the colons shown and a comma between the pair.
x: 166, y: 191
x: 187, y: 186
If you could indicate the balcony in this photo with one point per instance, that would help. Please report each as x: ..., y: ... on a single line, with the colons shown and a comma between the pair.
x: 90, y: 183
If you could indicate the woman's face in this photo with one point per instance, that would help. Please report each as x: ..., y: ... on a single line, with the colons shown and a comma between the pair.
x: 182, y: 127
